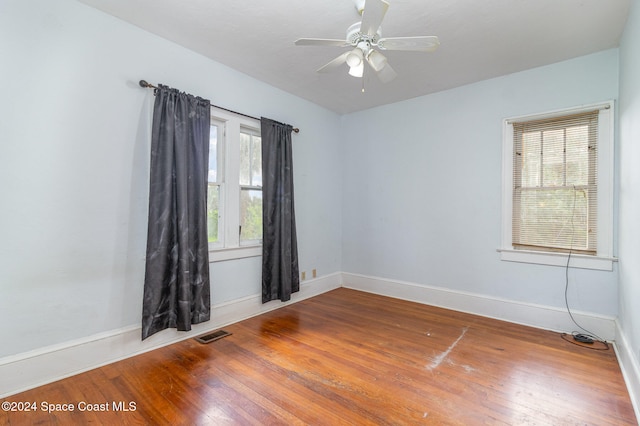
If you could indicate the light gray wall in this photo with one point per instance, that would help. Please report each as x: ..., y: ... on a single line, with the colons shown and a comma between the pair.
x: 74, y: 159
x: 422, y: 195
x: 629, y: 317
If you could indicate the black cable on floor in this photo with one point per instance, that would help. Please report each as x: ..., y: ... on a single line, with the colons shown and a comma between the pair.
x: 590, y: 337
x: 570, y: 338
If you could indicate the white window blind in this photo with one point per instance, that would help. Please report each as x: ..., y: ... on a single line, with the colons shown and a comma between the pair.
x: 555, y: 184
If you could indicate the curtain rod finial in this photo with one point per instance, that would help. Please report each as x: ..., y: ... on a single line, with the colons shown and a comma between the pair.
x: 143, y: 83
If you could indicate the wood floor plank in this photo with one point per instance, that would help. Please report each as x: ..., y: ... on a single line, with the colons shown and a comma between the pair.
x: 348, y: 357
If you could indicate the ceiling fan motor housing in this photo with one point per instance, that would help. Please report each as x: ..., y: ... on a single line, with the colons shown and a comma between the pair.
x: 354, y: 36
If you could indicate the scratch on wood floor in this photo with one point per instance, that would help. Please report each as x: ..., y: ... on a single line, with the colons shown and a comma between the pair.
x: 440, y: 358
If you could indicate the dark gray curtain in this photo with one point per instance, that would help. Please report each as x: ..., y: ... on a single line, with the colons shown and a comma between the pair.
x: 280, y: 276
x: 176, y: 284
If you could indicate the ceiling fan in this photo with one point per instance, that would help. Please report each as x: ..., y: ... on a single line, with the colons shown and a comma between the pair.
x: 364, y: 37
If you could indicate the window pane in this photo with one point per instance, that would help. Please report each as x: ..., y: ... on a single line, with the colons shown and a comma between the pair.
x: 245, y: 159
x: 554, y: 218
x: 577, y: 155
x: 531, y: 150
x: 213, y: 210
x: 256, y: 162
x: 213, y: 154
x: 250, y: 214
x: 250, y: 160
x: 553, y: 158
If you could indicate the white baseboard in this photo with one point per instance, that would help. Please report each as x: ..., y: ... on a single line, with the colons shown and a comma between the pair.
x: 539, y: 316
x: 630, y: 368
x: 45, y: 365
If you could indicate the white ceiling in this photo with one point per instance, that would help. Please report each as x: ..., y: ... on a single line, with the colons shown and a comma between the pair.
x: 479, y: 39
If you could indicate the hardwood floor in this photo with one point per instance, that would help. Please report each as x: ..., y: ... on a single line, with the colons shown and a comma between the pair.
x: 347, y: 357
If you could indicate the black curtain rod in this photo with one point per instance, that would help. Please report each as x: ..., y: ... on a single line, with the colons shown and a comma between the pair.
x: 143, y: 83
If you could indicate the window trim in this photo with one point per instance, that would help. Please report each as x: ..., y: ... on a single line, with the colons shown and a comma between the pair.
x: 230, y: 246
x: 603, y: 260
x: 220, y: 178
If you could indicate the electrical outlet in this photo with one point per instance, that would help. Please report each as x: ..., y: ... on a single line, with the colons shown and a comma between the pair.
x: 314, y: 273
x: 303, y: 276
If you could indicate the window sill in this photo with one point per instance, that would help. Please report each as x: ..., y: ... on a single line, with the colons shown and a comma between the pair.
x: 558, y: 259
x: 220, y: 255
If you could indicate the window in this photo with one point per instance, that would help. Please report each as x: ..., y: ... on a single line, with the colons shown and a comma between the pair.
x: 235, y: 187
x: 554, y: 184
x: 557, y: 188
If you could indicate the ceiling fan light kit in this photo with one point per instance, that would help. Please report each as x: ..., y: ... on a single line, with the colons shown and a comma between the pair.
x: 355, y: 57
x: 357, y: 71
x: 377, y: 60
x: 364, y: 37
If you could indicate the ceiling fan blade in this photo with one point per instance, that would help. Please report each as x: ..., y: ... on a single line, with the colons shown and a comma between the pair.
x: 386, y: 74
x: 334, y: 63
x: 321, y: 42
x: 374, y: 11
x: 418, y: 44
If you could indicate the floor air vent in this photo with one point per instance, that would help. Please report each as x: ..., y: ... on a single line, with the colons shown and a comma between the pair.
x: 212, y: 337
